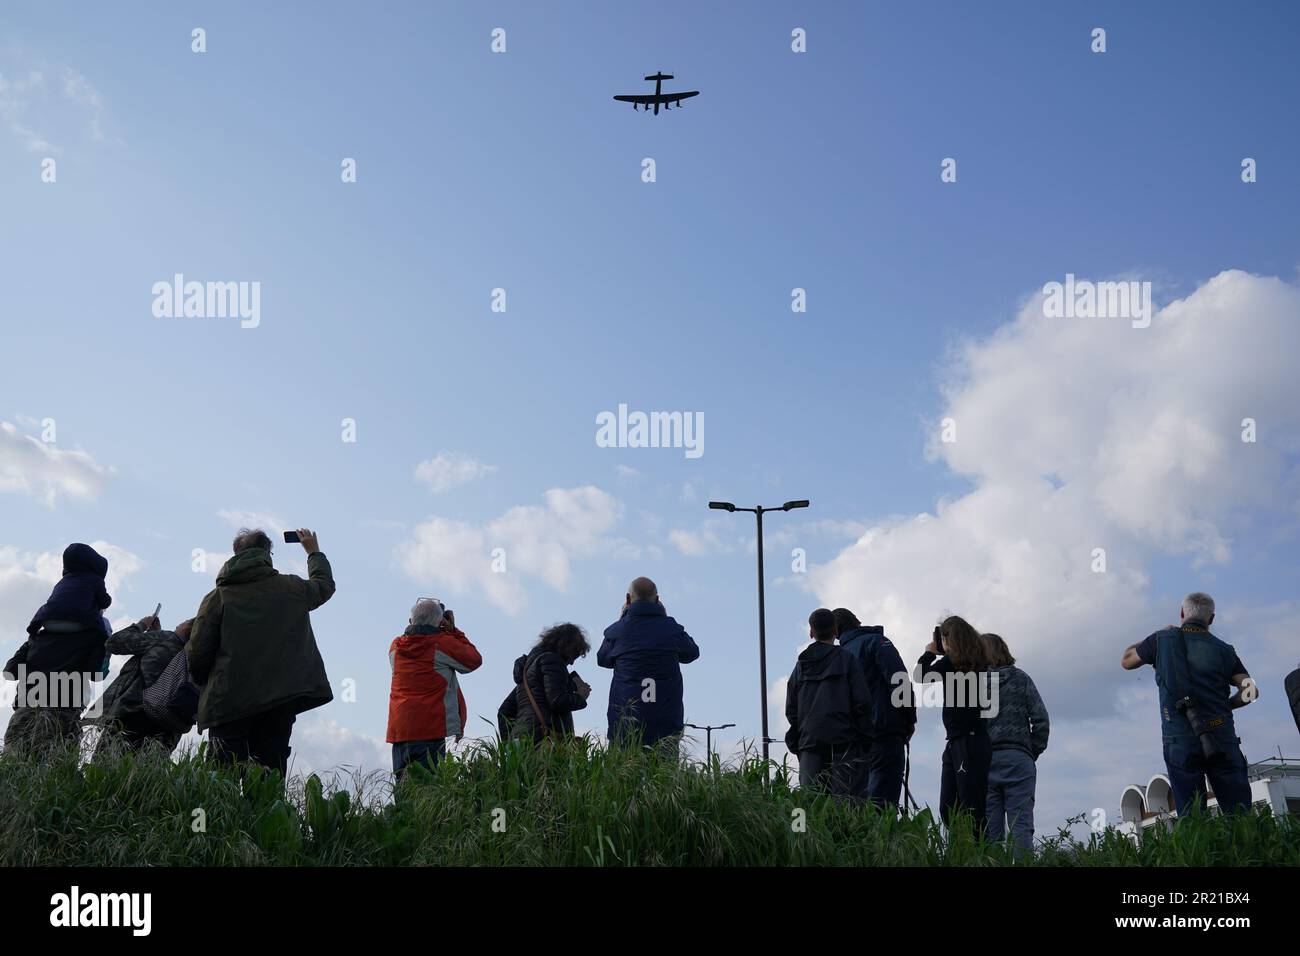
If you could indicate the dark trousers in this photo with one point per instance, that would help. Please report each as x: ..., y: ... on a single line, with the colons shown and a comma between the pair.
x: 135, y: 731
x: 833, y: 769
x: 262, y: 738
x: 38, y: 730
x: 427, y: 752
x: 965, y: 781
x: 1188, y: 770
x: 882, y: 781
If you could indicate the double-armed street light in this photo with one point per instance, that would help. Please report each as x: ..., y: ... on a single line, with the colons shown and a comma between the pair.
x: 708, y: 733
x: 758, y: 513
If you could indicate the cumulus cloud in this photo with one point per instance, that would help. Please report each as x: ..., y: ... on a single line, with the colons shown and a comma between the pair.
x: 237, y: 518
x: 321, y: 744
x: 704, y: 540
x: 43, y: 471
x: 449, y: 469
x: 43, y: 106
x: 1086, y: 434
x: 536, y: 542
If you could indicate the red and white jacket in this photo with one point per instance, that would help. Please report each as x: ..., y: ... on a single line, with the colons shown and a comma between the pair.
x: 425, y: 702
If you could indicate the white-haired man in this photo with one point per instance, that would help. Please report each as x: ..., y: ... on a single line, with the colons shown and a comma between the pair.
x: 1193, y: 671
x: 425, y: 704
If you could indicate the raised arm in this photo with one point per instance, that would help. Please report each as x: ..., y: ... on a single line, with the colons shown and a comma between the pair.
x: 320, y: 580
x: 687, y: 649
x: 930, y: 663
x: 1247, y: 689
x: 1143, y: 652
x: 458, y: 653
x: 135, y: 639
x: 606, y: 656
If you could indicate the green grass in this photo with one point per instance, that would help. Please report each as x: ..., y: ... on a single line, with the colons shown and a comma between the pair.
x: 569, y: 806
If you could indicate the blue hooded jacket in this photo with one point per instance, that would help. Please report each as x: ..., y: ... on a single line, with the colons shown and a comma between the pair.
x: 80, y: 596
x: 646, y: 643
x: 881, y: 664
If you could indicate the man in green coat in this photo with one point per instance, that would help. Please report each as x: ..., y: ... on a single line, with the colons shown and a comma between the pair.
x: 252, y: 649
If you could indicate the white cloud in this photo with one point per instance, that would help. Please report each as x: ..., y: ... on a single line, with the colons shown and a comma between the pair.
x: 448, y: 469
x: 1087, y: 433
x: 321, y: 744
x: 253, y: 519
x: 211, y: 561
x: 43, y: 471
x: 43, y: 106
x: 538, y: 542
x: 704, y: 541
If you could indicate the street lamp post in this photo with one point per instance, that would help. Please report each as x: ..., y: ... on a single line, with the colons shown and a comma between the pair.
x: 758, y: 513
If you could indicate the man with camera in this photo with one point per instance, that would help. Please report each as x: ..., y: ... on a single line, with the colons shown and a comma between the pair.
x: 1193, y: 671
x: 425, y: 703
x: 646, y: 648
x: 252, y: 648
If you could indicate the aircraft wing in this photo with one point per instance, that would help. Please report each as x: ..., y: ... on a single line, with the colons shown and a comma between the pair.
x: 650, y: 99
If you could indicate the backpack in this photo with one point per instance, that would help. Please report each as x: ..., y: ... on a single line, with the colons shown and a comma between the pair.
x: 173, y: 699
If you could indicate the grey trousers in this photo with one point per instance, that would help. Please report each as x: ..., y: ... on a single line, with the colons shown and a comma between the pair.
x: 1013, y: 777
x: 833, y: 770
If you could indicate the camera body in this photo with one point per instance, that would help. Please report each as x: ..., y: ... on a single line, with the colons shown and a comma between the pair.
x: 1209, y: 746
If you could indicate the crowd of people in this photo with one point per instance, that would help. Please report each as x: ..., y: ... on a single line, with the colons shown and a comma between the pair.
x: 852, y: 714
x: 247, y: 664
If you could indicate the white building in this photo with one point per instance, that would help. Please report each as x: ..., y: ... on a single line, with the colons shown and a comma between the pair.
x: 1274, y: 783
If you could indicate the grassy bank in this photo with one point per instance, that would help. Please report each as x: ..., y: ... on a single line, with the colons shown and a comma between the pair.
x: 573, y: 806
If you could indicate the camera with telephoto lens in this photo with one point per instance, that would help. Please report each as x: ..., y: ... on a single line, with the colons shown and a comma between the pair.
x: 1209, y: 746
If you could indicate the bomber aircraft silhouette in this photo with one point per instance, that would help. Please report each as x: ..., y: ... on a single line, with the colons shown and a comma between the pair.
x: 657, y: 98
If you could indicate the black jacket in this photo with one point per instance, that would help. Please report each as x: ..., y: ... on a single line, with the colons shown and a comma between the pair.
x: 150, y: 652
x: 826, y: 701
x: 1293, y: 694
x: 79, y: 653
x: 548, y: 679
x: 960, y: 716
x: 885, y: 672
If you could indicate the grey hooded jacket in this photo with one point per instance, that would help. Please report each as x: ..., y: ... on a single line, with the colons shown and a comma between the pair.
x: 1021, y: 721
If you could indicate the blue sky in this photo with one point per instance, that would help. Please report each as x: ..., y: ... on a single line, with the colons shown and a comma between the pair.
x: 516, y: 170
